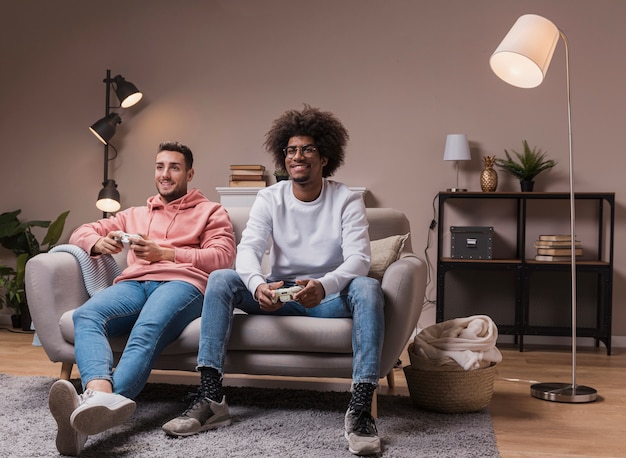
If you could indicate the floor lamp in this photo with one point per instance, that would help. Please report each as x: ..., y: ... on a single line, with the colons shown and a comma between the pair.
x: 104, y: 129
x: 522, y: 59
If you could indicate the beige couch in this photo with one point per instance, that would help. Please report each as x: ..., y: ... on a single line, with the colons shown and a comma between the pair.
x: 260, y: 345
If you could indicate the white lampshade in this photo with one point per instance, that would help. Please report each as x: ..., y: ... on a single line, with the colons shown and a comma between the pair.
x: 457, y: 148
x: 523, y: 57
x: 109, y: 197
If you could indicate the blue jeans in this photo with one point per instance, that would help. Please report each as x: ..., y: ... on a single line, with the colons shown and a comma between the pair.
x: 362, y: 300
x: 155, y: 313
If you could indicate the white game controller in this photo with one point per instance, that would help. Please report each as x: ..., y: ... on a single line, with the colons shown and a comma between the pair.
x: 127, y: 238
x: 285, y: 294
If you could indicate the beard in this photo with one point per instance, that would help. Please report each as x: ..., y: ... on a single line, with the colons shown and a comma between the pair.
x: 172, y: 195
x: 300, y: 179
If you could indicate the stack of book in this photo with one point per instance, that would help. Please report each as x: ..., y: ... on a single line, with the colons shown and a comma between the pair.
x: 557, y: 247
x: 247, y: 176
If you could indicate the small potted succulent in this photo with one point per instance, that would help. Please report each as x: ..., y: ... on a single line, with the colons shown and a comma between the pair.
x: 525, y: 166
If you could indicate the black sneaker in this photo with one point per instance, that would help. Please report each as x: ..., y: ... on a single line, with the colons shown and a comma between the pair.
x: 361, y: 433
x: 203, y: 414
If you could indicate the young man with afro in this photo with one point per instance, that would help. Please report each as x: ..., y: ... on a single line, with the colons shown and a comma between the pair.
x: 320, y: 243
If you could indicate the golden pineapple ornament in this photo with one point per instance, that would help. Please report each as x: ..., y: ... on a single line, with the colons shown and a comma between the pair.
x: 489, y: 177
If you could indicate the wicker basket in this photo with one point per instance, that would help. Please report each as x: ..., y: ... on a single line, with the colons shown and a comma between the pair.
x: 447, y: 388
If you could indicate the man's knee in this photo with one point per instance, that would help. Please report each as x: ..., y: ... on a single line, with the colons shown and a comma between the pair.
x: 221, y: 278
x: 361, y: 284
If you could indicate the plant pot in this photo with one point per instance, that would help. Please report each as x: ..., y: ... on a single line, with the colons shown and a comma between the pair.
x: 527, y: 186
x: 25, y: 315
x: 16, y: 321
x: 22, y: 320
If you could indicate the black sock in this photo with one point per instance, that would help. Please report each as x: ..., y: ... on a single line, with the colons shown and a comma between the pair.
x: 362, y: 394
x: 211, y: 384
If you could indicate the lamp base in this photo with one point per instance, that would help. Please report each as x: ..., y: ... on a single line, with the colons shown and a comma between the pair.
x: 456, y: 190
x: 563, y: 392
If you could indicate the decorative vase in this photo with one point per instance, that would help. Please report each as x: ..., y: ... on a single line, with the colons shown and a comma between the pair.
x: 489, y: 177
x: 526, y: 185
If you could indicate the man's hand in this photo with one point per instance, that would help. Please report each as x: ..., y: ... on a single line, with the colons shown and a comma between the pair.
x: 148, y: 250
x: 109, y: 244
x: 311, y: 295
x: 265, y: 294
x: 144, y: 248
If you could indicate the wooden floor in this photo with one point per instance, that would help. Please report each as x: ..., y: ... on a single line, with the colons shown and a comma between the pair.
x: 524, y: 426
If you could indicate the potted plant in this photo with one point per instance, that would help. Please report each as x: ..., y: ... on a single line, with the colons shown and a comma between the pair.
x: 281, y: 174
x: 14, y: 297
x: 525, y: 166
x: 18, y: 237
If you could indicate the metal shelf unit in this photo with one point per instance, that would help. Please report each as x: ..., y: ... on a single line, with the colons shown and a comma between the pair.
x: 523, y: 270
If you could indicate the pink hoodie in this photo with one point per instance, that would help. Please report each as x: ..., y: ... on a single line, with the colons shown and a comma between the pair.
x: 199, y: 230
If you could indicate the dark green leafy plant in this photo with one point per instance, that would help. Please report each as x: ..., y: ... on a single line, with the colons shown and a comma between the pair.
x: 525, y: 166
x: 18, y: 237
x: 281, y: 174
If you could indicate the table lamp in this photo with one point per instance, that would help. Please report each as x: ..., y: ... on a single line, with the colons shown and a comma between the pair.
x: 457, y: 149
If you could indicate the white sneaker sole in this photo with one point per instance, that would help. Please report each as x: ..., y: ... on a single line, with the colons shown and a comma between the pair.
x: 371, y: 447
x: 168, y: 429
x: 62, y: 401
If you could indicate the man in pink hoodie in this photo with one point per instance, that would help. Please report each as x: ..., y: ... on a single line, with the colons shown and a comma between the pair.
x: 174, y: 243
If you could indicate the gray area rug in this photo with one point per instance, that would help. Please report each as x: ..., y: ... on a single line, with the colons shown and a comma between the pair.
x: 267, y: 423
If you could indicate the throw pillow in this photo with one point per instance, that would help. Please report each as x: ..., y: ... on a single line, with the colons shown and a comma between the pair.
x: 384, y: 252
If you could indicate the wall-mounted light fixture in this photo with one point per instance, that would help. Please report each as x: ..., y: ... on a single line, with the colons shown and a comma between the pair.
x: 104, y: 129
x: 522, y: 59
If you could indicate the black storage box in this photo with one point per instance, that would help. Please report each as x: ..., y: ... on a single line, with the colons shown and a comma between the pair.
x: 471, y: 242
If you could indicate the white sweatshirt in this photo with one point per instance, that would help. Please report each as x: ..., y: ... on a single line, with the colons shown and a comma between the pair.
x: 326, y: 239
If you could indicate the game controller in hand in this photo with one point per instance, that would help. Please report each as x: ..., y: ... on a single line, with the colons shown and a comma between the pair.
x: 285, y: 294
x: 127, y: 238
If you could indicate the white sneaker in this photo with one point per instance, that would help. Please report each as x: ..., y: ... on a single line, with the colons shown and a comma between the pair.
x: 63, y: 400
x: 100, y: 411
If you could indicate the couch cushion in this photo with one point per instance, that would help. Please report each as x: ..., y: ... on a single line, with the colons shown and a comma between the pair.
x: 277, y: 333
x: 257, y: 333
x: 384, y: 253
x: 66, y: 324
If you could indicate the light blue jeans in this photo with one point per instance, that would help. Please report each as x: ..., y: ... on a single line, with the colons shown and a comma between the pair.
x: 155, y: 313
x: 362, y: 300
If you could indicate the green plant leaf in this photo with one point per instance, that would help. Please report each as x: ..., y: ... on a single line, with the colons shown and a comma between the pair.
x: 527, y: 165
x: 9, y: 225
x: 55, y: 230
x: 18, y: 237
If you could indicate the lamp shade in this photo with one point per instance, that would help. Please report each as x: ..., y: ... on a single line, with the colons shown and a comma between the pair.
x: 109, y: 197
x: 524, y: 55
x: 126, y: 92
x: 104, y: 128
x: 457, y: 148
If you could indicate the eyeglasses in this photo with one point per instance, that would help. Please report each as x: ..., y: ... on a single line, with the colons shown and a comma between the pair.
x: 305, y: 150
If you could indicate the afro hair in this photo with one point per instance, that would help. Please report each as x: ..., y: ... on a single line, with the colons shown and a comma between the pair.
x: 330, y: 136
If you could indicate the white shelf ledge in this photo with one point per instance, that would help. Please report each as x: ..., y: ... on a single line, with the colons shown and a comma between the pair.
x: 244, y: 196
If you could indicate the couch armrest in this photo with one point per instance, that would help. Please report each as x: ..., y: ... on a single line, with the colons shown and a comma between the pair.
x: 54, y: 285
x: 404, y: 287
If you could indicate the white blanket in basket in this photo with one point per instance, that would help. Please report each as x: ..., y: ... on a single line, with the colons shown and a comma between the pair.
x: 467, y: 341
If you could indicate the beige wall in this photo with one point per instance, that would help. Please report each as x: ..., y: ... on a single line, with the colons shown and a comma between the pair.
x: 401, y: 74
